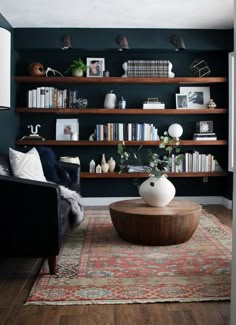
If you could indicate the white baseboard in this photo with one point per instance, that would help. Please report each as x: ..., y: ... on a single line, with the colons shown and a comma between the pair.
x: 204, y: 200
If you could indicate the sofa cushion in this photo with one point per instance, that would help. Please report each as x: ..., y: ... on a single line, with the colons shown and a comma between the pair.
x: 26, y: 165
x: 49, y: 164
x: 5, y: 168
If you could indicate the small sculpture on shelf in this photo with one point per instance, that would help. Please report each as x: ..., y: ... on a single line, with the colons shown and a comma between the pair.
x: 81, y: 103
x: 200, y: 68
x: 211, y: 104
x: 98, y: 169
x: 53, y: 71
x: 34, y: 133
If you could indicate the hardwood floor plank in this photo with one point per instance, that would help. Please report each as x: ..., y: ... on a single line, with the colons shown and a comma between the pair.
x: 73, y: 320
x: 101, y: 314
x: 185, y: 317
x: 145, y: 314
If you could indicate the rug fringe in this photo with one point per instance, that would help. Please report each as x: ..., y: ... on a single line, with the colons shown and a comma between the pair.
x: 112, y: 302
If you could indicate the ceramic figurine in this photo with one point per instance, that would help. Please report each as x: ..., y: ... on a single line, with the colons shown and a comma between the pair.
x: 112, y: 164
x: 98, y: 169
x: 92, y: 166
x: 211, y: 104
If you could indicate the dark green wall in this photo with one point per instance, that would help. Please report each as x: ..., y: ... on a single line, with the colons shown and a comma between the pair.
x: 8, y: 118
x: 44, y: 45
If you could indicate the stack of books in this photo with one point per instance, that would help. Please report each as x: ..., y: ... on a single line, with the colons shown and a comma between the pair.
x: 153, y: 104
x: 149, y: 68
x: 204, y: 136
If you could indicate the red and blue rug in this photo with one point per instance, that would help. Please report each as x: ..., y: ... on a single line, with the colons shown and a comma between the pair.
x: 95, y: 266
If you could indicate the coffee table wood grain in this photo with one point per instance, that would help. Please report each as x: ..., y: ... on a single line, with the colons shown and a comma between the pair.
x: 138, y: 223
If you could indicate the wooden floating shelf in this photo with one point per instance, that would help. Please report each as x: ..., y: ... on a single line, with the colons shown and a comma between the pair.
x: 127, y: 111
x: 115, y: 143
x: 145, y: 175
x: 129, y: 80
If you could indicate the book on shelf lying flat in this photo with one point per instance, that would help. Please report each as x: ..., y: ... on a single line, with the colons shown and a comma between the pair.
x: 153, y: 105
x: 204, y: 136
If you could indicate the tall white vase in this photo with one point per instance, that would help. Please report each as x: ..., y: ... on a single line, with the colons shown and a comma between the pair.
x: 157, y: 192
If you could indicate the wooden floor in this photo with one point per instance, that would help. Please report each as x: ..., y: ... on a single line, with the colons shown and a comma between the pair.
x: 17, y: 276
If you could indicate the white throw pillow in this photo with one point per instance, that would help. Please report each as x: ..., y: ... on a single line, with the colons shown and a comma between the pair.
x: 27, y: 165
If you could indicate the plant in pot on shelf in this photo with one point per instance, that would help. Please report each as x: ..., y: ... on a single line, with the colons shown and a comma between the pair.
x: 77, y: 68
x: 156, y: 190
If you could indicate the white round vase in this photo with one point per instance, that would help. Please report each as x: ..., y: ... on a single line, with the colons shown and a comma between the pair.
x: 157, y: 192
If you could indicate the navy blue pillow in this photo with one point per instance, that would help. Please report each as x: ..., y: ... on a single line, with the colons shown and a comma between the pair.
x: 49, y: 162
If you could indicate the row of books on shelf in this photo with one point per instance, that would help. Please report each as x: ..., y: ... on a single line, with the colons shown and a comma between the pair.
x: 51, y: 97
x: 129, y: 132
x: 191, y: 163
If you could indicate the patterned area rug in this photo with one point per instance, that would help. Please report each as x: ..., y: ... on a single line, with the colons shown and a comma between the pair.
x: 96, y: 267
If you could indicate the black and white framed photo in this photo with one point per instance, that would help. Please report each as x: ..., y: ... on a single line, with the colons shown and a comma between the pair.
x: 67, y: 129
x: 95, y: 67
x: 181, y: 101
x: 198, y: 97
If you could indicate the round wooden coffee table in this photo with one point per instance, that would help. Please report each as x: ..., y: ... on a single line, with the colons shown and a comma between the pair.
x: 138, y: 223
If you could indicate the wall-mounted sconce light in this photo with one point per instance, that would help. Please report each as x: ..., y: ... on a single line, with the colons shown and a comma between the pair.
x: 177, y: 42
x: 66, y: 43
x: 123, y: 42
x: 5, y: 69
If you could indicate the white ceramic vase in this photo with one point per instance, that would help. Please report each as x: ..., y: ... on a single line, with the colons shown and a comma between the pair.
x: 112, y: 164
x: 77, y: 73
x: 157, y: 192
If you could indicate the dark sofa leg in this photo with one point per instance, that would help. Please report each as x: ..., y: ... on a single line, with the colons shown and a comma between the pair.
x: 52, y: 260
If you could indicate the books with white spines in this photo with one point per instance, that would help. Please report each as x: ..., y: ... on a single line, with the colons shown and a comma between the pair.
x: 34, y: 98
x: 129, y: 126
x: 204, y: 138
x: 157, y: 105
x: 42, y: 97
x: 46, y: 101
x: 38, y: 103
x: 30, y: 99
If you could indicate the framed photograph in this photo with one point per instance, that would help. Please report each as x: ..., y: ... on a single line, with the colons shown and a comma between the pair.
x: 181, y: 101
x: 95, y: 67
x: 198, y: 97
x: 67, y: 129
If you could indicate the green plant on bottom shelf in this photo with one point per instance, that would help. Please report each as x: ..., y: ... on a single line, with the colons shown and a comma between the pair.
x: 156, y: 164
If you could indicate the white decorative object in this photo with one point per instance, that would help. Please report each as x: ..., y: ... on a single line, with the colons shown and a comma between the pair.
x: 105, y: 167
x: 211, y: 104
x: 5, y: 70
x: 53, y: 71
x: 125, y: 68
x: 175, y: 130
x: 27, y: 165
x: 92, y: 166
x: 34, y: 133
x: 72, y: 160
x: 110, y: 100
x: 157, y: 192
x: 98, y: 169
x: 112, y: 164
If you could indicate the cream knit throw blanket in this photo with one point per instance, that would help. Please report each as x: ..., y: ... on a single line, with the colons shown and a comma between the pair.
x: 75, y: 202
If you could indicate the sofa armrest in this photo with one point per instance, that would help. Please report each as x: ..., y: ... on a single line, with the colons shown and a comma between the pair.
x: 73, y: 171
x: 31, y: 221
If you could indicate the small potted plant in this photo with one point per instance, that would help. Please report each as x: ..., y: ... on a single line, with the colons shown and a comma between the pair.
x: 77, y: 68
